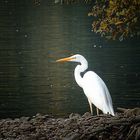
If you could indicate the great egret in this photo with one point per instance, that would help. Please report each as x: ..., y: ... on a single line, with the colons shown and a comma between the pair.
x: 93, y: 86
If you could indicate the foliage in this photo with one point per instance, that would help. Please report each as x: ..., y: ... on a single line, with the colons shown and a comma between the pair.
x: 116, y: 19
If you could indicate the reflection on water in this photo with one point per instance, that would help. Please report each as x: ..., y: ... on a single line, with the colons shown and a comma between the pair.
x: 32, y: 38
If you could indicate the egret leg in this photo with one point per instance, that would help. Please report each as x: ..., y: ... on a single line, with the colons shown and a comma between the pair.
x: 97, y: 111
x: 90, y: 105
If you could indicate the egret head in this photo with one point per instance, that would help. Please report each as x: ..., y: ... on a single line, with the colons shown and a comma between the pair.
x: 75, y: 58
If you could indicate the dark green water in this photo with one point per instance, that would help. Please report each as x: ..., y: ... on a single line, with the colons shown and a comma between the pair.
x: 33, y: 36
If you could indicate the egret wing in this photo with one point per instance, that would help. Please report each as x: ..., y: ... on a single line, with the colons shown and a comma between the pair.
x: 97, y: 92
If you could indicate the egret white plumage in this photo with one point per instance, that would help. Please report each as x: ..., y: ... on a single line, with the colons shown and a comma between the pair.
x: 93, y: 86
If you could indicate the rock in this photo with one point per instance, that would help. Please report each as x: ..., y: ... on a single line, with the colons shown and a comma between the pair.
x: 72, y: 136
x: 74, y: 116
x: 75, y: 127
x: 25, y: 118
x: 138, y: 134
x: 132, y: 112
x: 87, y: 114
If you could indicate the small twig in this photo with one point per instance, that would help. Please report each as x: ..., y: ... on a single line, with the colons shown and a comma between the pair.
x: 121, y: 109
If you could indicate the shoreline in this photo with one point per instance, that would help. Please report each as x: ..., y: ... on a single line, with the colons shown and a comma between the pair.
x: 125, y: 125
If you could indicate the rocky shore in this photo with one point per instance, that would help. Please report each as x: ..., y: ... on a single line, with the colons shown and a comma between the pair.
x: 124, y: 126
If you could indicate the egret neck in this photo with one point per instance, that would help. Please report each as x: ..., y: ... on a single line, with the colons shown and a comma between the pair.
x: 78, y: 70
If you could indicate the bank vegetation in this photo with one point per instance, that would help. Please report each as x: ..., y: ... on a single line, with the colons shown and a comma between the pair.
x: 113, y: 19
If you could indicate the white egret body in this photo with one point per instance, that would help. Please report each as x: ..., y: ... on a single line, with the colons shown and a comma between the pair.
x: 93, y: 86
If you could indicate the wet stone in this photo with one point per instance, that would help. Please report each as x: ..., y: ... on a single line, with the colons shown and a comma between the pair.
x: 74, y: 127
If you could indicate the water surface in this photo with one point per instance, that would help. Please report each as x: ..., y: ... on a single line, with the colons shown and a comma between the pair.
x: 34, y: 36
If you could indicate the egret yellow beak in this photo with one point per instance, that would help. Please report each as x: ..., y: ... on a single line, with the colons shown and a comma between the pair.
x: 65, y: 59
